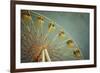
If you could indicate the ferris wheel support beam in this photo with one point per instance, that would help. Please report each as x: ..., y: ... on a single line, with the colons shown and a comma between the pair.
x: 47, y: 55
x: 43, y: 56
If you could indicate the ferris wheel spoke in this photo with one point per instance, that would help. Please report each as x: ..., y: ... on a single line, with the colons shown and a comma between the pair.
x: 55, y: 54
x: 29, y: 32
x: 33, y: 28
x: 54, y: 39
x: 27, y: 39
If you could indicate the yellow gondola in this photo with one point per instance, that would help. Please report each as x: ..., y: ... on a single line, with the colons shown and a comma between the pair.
x: 40, y: 21
x: 77, y: 53
x: 61, y: 35
x: 70, y: 43
x: 26, y: 17
x: 51, y: 27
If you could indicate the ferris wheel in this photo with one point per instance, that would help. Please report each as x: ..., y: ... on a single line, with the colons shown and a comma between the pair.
x: 44, y: 40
